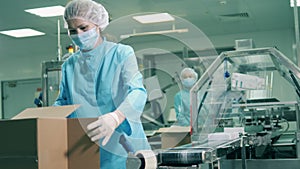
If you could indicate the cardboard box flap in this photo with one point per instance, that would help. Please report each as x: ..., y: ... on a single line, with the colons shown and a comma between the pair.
x: 174, y: 129
x: 47, y: 112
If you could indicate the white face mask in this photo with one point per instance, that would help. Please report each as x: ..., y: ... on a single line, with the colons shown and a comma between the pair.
x: 188, y: 82
x: 86, y: 40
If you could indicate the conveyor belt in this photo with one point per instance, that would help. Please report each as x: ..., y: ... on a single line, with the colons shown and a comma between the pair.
x: 194, y: 154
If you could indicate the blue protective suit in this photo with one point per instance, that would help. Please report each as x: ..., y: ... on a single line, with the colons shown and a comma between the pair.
x: 182, y: 107
x: 101, y: 81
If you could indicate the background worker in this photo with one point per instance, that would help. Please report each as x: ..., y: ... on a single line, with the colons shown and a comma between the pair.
x: 188, y: 78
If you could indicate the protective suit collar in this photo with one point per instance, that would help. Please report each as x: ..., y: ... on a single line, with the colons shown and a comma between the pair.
x: 93, y: 57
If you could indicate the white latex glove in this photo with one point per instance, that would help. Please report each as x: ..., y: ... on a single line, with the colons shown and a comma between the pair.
x: 104, y: 127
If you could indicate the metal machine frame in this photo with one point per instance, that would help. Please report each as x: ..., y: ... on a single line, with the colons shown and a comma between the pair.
x: 47, y: 67
x: 236, y: 153
x: 231, y: 54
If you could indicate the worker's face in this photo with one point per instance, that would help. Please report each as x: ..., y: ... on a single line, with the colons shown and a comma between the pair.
x: 84, y: 34
x: 188, y: 79
x: 78, y: 26
x: 188, y: 75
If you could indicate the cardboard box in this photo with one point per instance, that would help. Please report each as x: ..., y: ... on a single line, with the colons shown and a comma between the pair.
x: 43, y: 138
x: 174, y: 136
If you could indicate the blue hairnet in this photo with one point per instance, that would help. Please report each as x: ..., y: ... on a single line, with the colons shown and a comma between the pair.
x: 87, y: 10
x: 188, y: 71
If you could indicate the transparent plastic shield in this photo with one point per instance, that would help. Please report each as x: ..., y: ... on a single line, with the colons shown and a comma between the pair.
x: 238, y: 80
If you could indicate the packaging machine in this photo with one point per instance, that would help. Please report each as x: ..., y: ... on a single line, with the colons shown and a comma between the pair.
x: 244, y: 114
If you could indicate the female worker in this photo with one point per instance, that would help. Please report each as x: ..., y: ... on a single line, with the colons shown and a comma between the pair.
x: 103, y: 78
x: 188, y: 78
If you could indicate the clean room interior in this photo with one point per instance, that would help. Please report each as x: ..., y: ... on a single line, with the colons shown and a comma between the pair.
x: 267, y: 23
x: 199, y: 31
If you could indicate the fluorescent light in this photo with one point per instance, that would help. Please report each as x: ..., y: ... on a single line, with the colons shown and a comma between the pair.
x: 47, y: 11
x: 154, y: 33
x: 154, y: 18
x: 19, y: 33
x: 292, y: 3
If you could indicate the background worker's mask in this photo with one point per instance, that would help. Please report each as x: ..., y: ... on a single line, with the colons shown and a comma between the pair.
x: 188, y: 82
x: 86, y: 40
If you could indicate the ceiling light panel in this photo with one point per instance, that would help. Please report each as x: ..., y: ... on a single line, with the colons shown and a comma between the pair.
x: 47, y: 11
x: 292, y: 3
x: 19, y: 33
x: 154, y: 18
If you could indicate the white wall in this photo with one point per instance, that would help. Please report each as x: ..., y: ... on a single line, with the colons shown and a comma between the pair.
x: 282, y: 39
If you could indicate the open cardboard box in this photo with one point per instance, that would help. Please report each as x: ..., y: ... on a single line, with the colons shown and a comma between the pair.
x: 44, y: 138
x: 174, y: 136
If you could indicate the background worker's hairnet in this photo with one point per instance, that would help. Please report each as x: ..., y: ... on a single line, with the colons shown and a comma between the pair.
x: 87, y: 10
x: 188, y: 71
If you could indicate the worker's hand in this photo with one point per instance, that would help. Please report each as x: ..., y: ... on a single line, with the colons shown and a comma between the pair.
x: 104, y: 127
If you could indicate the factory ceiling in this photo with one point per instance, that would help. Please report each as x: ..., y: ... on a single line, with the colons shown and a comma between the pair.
x: 213, y: 17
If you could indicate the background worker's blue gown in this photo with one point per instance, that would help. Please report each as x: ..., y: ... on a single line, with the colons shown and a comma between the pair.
x: 182, y: 108
x: 101, y: 81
